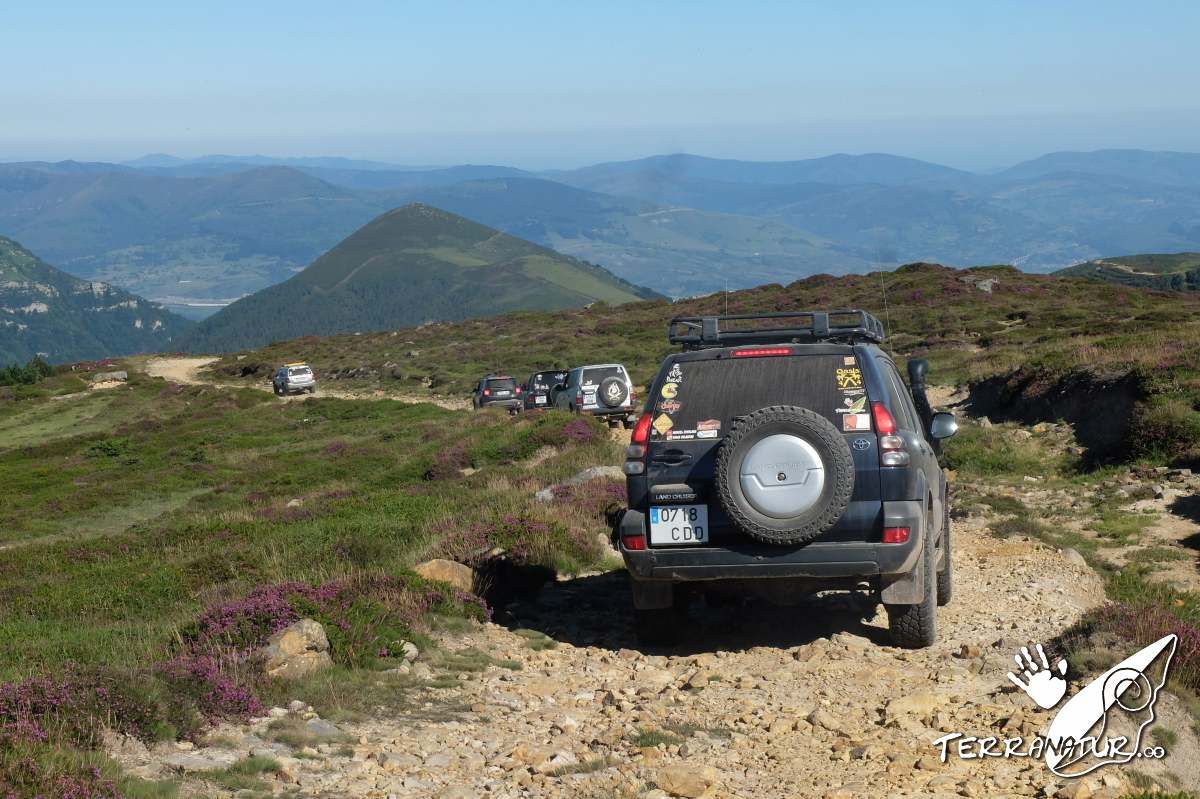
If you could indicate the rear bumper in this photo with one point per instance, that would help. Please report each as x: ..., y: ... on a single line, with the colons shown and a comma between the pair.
x: 624, y: 413
x: 819, y: 560
x: 511, y: 404
x: 299, y: 388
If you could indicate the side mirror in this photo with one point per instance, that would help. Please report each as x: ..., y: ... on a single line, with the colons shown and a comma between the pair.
x: 943, y: 426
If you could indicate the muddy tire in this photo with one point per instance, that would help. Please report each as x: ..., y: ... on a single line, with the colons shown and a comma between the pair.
x: 784, y: 474
x: 945, y: 575
x: 915, y: 626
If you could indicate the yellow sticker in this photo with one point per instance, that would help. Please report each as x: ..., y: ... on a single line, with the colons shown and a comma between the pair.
x: 670, y: 390
x: 849, y: 378
x: 663, y: 423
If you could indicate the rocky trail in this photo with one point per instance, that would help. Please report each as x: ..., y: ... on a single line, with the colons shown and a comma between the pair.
x: 761, y: 702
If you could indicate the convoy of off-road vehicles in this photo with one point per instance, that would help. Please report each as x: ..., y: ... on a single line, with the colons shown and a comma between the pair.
x: 775, y: 455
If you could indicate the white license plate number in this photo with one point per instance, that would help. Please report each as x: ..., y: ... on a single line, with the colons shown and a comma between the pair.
x: 679, y: 525
x: 502, y: 393
x: 539, y: 400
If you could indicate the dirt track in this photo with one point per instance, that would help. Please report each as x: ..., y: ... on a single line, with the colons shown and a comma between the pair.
x: 188, y: 370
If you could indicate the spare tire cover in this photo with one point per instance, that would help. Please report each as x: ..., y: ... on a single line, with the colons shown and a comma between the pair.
x: 784, y: 474
x: 613, y: 392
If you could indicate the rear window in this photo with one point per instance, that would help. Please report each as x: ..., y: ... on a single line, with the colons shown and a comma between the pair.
x: 597, y: 375
x: 544, y: 381
x: 302, y: 371
x: 502, y: 383
x: 698, y: 400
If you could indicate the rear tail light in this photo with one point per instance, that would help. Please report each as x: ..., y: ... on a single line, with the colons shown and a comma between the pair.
x: 634, y: 468
x: 885, y: 425
x: 518, y: 389
x: 892, y: 449
x: 578, y: 397
x: 487, y: 392
x: 762, y: 352
x: 895, y: 535
x: 641, y: 430
x: 634, y: 542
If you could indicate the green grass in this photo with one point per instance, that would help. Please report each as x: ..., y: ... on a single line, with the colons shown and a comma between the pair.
x: 246, y: 774
x: 1164, y: 737
x: 536, y: 639
x: 1119, y: 525
x: 651, y: 737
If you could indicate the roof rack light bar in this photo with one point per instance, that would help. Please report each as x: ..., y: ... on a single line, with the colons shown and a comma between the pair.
x: 698, y: 332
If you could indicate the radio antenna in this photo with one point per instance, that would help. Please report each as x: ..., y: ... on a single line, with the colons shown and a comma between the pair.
x: 887, y: 316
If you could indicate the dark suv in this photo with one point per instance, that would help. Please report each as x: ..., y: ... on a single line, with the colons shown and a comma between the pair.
x: 497, y: 391
x: 780, y: 455
x: 539, y: 385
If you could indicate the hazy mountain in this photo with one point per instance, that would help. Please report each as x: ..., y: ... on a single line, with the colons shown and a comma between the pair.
x: 44, y: 311
x: 1176, y: 169
x: 177, y: 240
x: 1164, y: 271
x: 411, y: 265
x: 889, y: 170
x: 206, y: 231
x: 674, y: 250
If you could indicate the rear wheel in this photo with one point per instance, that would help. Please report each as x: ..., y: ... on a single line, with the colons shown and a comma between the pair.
x: 915, y: 626
x: 945, y: 577
x: 275, y: 388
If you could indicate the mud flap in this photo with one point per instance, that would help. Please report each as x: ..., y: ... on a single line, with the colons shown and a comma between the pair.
x: 904, y: 589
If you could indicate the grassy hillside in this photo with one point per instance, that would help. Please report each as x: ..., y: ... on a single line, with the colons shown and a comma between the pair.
x: 1166, y: 272
x: 408, y: 266
x: 46, y: 312
x: 1027, y: 338
x: 138, y: 520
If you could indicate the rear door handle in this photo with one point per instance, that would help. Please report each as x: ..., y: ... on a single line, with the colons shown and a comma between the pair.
x: 672, y: 458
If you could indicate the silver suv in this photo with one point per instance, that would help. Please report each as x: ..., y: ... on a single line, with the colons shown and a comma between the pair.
x: 294, y: 378
x: 599, y: 390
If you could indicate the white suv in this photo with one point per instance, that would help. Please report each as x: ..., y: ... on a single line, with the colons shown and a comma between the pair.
x: 599, y: 390
x: 294, y: 378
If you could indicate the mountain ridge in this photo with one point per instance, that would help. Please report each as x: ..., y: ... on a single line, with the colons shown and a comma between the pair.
x: 410, y: 265
x: 48, y: 313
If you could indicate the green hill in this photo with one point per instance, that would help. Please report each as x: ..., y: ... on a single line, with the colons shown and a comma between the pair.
x: 1118, y: 362
x: 44, y: 311
x: 411, y: 265
x: 1166, y: 272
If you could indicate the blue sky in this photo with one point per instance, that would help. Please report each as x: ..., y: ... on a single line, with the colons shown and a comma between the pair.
x: 558, y: 84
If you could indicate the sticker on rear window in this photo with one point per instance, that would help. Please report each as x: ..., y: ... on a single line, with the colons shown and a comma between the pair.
x: 670, y: 390
x: 669, y: 406
x: 848, y: 360
x: 849, y: 378
x: 675, y: 375
x: 709, y: 424
x: 856, y: 421
x: 851, y: 405
x: 663, y: 423
x: 681, y: 435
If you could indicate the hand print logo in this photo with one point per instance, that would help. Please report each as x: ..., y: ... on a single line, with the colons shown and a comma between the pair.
x: 1043, y: 684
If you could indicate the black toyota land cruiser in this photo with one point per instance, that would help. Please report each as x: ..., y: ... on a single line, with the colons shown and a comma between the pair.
x: 783, y: 454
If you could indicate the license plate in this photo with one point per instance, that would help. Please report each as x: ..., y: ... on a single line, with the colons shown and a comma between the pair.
x: 539, y: 400
x: 679, y: 525
x: 589, y: 399
x: 502, y: 393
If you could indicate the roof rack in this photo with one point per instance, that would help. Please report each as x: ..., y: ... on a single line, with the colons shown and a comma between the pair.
x: 848, y: 325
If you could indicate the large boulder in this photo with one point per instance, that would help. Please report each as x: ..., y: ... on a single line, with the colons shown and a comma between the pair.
x: 297, y: 650
x: 447, y: 571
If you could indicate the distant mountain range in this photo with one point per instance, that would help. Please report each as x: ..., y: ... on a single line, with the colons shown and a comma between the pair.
x: 46, y: 312
x: 1166, y: 272
x: 201, y: 232
x: 411, y: 265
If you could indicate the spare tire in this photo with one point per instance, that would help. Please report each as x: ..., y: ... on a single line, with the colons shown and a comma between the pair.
x: 613, y: 392
x: 784, y: 474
